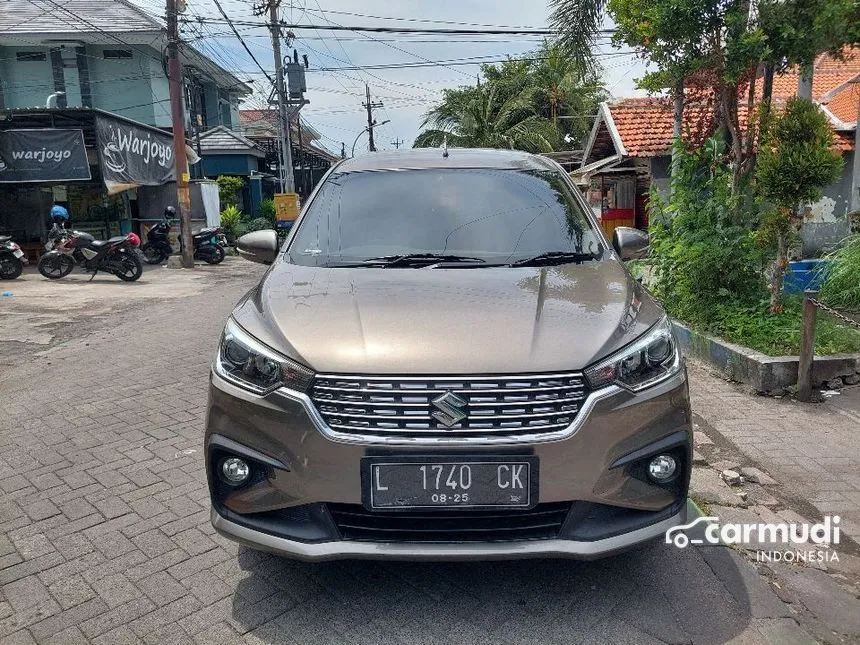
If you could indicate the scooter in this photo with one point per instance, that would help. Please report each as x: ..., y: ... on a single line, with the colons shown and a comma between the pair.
x: 157, y: 248
x: 12, y: 259
x: 207, y: 244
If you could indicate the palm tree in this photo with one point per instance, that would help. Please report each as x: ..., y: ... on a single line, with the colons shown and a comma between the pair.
x: 562, y: 88
x: 481, y: 117
x: 577, y: 23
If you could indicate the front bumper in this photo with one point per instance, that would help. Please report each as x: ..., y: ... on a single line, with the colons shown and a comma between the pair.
x: 516, y: 550
x: 593, y: 469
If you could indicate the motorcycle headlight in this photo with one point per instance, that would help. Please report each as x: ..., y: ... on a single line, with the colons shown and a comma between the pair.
x: 245, y: 361
x: 645, y: 362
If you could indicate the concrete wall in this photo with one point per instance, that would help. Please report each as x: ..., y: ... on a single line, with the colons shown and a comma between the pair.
x: 214, y: 165
x: 828, y: 223
x: 135, y: 87
x: 661, y: 172
x: 25, y: 83
x: 124, y: 86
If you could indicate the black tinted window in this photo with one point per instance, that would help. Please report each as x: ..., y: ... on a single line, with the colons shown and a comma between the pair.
x: 499, y: 216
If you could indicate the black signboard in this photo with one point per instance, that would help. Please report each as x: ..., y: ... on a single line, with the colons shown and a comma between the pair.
x: 133, y: 156
x: 43, y: 155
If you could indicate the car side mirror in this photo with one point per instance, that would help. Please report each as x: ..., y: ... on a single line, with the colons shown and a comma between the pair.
x: 630, y: 243
x: 259, y: 246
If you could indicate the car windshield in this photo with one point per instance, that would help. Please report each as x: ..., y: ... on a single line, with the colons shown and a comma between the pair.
x: 474, y: 217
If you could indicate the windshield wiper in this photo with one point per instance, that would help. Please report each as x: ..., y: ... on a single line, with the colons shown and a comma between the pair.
x: 412, y: 259
x: 557, y: 257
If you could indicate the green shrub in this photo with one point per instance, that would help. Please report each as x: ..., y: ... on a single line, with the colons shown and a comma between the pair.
x: 267, y: 212
x: 228, y: 190
x: 841, y: 287
x: 259, y: 224
x: 703, y: 254
x: 778, y: 334
x: 231, y: 222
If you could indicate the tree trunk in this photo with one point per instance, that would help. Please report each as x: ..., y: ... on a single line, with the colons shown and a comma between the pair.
x: 677, y: 125
x: 779, y: 267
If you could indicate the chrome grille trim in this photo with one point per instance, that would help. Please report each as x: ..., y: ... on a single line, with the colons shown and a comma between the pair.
x: 400, y: 408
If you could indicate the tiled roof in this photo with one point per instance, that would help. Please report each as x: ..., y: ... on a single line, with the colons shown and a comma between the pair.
x: 221, y: 139
x: 844, y: 105
x: 71, y: 16
x: 644, y: 125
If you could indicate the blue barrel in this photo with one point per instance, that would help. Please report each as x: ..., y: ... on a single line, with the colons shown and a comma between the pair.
x: 805, y: 274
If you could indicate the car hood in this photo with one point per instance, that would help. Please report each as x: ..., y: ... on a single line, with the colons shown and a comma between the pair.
x: 448, y: 321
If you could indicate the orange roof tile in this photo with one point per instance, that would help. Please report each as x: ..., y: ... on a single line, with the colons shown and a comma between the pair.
x: 844, y: 105
x: 645, y: 124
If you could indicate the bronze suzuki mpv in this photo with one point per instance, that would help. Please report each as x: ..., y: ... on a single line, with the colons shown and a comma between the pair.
x: 447, y: 360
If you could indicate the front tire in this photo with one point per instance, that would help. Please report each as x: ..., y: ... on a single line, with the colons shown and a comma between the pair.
x: 152, y: 254
x: 10, y: 268
x: 132, y: 268
x: 216, y: 255
x: 55, y: 265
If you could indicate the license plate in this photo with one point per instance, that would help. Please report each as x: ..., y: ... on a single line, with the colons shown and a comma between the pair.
x: 446, y: 482
x: 18, y: 253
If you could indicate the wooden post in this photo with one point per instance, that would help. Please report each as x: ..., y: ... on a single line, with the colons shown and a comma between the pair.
x: 807, y: 345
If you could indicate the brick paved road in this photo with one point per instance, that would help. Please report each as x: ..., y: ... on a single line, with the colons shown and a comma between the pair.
x: 105, y: 537
x: 811, y: 449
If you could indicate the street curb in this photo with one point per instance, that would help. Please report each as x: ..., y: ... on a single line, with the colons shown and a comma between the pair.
x: 764, y: 373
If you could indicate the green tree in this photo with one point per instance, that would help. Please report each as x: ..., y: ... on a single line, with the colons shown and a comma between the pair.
x: 483, y: 118
x: 795, y: 163
x: 577, y: 23
x: 228, y: 190
x: 563, y: 92
x: 529, y: 103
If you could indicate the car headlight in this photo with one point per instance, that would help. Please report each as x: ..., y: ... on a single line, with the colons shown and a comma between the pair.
x: 645, y: 362
x: 245, y: 361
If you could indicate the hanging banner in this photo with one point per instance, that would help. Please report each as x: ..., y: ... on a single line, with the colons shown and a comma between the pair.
x: 43, y: 155
x: 133, y: 156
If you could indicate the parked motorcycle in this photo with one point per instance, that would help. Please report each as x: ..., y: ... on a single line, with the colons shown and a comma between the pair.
x: 157, y: 247
x: 12, y: 259
x: 68, y: 248
x: 207, y: 242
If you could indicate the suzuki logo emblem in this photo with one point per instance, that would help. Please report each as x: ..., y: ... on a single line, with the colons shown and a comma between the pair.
x: 450, y: 409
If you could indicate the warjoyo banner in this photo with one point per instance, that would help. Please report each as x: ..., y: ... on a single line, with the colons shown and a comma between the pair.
x: 43, y: 155
x: 132, y: 156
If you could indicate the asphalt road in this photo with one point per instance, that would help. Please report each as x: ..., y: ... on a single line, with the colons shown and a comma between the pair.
x: 105, y: 536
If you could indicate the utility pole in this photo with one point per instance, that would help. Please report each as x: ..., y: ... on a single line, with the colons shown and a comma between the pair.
x: 370, y: 106
x: 177, y: 112
x: 288, y: 184
x: 397, y: 143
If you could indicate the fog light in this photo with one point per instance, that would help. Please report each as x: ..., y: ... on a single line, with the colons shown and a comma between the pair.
x: 235, y: 471
x: 662, y: 468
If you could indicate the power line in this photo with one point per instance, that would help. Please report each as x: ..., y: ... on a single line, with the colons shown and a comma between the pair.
x: 398, y: 30
x: 250, y: 53
x: 429, y: 20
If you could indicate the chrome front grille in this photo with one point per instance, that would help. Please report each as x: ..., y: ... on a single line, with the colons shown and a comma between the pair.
x: 495, y: 406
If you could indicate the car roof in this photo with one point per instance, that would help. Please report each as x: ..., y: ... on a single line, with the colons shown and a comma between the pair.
x: 433, y: 158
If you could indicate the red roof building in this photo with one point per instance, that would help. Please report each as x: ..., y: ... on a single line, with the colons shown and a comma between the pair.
x: 629, y: 147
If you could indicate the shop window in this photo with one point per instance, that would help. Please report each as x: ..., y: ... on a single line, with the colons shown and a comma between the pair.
x: 30, y: 57
x: 116, y: 54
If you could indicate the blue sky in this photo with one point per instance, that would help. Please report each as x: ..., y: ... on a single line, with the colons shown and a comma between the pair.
x: 335, y: 97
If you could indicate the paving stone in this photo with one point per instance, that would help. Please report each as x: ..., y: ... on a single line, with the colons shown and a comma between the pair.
x: 707, y: 486
x: 71, y: 591
x: 757, y: 476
